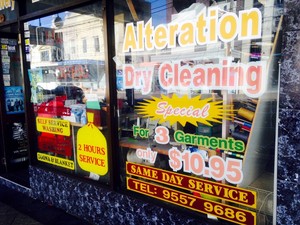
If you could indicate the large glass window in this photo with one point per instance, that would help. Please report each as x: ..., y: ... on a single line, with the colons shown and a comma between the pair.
x: 84, y: 45
x: 96, y: 44
x: 68, y: 91
x: 197, y: 94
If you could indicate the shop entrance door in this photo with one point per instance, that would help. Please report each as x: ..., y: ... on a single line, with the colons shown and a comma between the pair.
x: 14, y: 143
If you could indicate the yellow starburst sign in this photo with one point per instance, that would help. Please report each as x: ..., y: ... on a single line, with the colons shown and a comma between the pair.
x: 185, y: 109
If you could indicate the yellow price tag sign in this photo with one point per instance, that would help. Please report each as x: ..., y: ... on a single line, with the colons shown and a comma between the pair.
x: 92, y: 148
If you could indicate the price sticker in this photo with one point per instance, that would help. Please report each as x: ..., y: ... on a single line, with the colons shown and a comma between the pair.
x: 218, y: 168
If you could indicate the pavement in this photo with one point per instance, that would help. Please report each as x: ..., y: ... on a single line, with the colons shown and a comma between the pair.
x: 17, y: 208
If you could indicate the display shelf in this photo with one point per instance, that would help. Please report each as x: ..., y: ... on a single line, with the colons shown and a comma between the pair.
x: 144, y: 144
x: 260, y: 147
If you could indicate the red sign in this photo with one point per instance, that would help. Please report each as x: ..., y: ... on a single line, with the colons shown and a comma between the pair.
x: 192, y: 202
x: 219, y: 190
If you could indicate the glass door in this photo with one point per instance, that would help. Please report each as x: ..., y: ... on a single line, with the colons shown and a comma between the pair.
x: 14, y: 148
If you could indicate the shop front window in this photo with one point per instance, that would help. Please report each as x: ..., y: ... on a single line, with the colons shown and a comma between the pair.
x: 67, y: 92
x: 197, y: 103
x: 84, y: 45
x: 96, y: 44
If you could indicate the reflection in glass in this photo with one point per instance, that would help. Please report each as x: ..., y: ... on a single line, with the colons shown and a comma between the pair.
x: 67, y: 76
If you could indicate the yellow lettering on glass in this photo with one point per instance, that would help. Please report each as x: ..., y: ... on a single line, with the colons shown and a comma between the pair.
x: 53, y: 126
x: 4, y: 4
x: 207, y: 28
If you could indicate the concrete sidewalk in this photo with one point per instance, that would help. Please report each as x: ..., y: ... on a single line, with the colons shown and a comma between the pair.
x: 19, y: 209
x: 10, y: 216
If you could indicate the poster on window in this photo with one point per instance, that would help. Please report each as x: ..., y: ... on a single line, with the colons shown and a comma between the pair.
x: 14, y: 99
x: 18, y: 142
